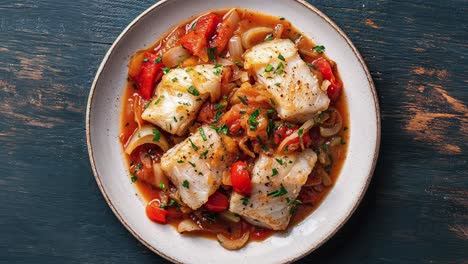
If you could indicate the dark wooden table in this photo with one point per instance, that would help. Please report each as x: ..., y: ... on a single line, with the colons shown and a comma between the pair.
x: 416, y: 209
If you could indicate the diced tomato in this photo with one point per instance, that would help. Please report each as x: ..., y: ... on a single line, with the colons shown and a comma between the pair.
x: 324, y: 67
x: 196, y: 40
x: 155, y: 213
x: 232, y: 119
x: 207, y: 113
x: 223, y: 34
x: 217, y: 202
x: 240, y: 178
x: 150, y: 73
x: 284, y: 131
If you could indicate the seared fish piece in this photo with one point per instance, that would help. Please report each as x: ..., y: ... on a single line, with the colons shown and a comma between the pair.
x: 180, y: 95
x: 276, y: 182
x: 196, y: 165
x: 295, y: 90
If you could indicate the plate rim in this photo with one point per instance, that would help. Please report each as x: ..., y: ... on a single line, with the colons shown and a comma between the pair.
x: 339, y: 225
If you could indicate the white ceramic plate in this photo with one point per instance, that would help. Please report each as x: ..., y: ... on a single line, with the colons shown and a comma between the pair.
x: 107, y: 157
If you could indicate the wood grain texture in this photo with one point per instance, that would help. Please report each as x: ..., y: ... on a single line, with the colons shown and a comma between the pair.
x: 416, y: 209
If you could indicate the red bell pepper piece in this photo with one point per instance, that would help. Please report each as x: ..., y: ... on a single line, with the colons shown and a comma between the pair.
x: 150, y: 73
x: 196, y: 40
x: 324, y: 67
x: 223, y: 34
x: 217, y: 202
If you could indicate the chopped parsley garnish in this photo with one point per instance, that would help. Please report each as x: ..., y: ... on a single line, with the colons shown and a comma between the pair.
x: 269, y: 68
x: 147, y: 104
x: 203, y: 155
x: 189, y: 69
x: 157, y: 135
x: 300, y: 132
x: 245, y: 200
x: 134, y: 178
x: 166, y: 70
x: 192, y: 90
x: 211, y: 217
x: 157, y: 101
x: 272, y: 101
x: 202, y: 133
x: 215, y: 128
x: 238, y: 64
x: 145, y: 60
x: 218, y: 71
x: 242, y: 99
x: 274, y: 172
x: 325, y: 147
x: 281, y: 57
x: 193, y: 24
x: 278, y: 84
x: 174, y: 79
x: 282, y: 191
x: 242, y: 112
x: 158, y: 60
x: 193, y: 164
x: 319, y: 48
x: 224, y: 129
x: 270, y: 127
x: 219, y: 106
x: 342, y: 142
x: 212, y: 53
x: 217, y: 116
x: 280, y: 161
x: 193, y: 145
x: 271, y: 111
x: 186, y: 184
x: 253, y: 119
x: 279, y: 68
x: 162, y: 185
x: 180, y: 161
x: 269, y: 37
x: 175, y: 119
x: 282, y: 18
x: 218, y: 65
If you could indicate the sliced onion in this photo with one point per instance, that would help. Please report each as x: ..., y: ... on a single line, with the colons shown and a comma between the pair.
x: 244, y: 147
x: 331, y: 131
x: 232, y: 17
x: 279, y: 31
x: 305, y: 129
x: 235, y: 49
x: 137, y: 110
x: 243, y: 76
x: 174, y: 56
x: 230, y: 216
x: 144, y: 135
x: 187, y: 225
x: 308, y: 52
x: 160, y: 178
x: 325, y: 85
x: 254, y: 35
x: 224, y: 62
x: 233, y: 244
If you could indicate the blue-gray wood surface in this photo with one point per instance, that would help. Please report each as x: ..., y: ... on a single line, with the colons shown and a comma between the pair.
x: 416, y: 209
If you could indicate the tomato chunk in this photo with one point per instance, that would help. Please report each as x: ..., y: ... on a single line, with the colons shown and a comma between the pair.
x: 196, y: 40
x: 223, y: 34
x: 285, y: 130
x: 240, y: 178
x: 324, y: 67
x: 150, y: 73
x: 217, y: 202
x: 155, y: 213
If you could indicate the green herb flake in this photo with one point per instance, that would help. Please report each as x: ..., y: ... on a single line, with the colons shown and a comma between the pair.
x: 242, y: 112
x: 281, y: 57
x: 274, y: 172
x: 319, y: 48
x: 186, y: 184
x: 219, y: 106
x: 245, y: 200
x: 243, y: 100
x: 269, y: 37
x: 202, y: 133
x: 175, y: 119
x: 157, y: 135
x: 180, y: 161
x: 218, y: 71
x: 217, y: 116
x: 174, y: 79
x: 166, y: 70
x: 134, y: 178
x: 325, y: 147
x: 278, y: 84
x: 224, y: 129
x: 189, y: 69
x: 282, y: 191
x: 253, y: 119
x: 300, y: 132
x: 280, y: 161
x: 272, y: 101
x: 192, y: 90
x: 192, y: 164
x: 145, y: 60
x: 161, y: 185
x: 157, y: 101
x: 212, y: 53
x: 269, y: 68
x: 193, y: 145
x: 203, y: 155
x: 282, y: 18
x: 158, y: 60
